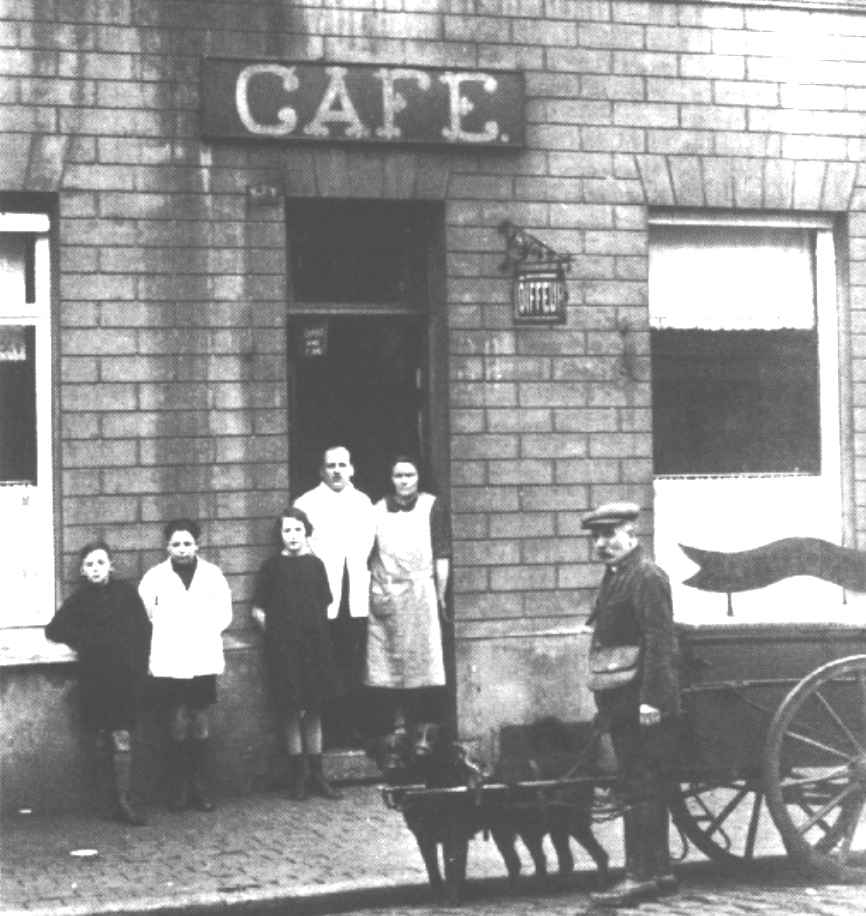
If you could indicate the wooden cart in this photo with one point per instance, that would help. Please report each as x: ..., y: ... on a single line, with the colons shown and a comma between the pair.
x: 774, y: 724
x: 775, y: 721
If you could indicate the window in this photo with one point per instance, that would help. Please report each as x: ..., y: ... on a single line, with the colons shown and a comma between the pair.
x: 26, y: 491
x: 734, y: 346
x: 746, y: 416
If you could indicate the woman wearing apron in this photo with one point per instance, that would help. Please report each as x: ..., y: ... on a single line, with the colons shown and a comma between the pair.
x: 409, y: 577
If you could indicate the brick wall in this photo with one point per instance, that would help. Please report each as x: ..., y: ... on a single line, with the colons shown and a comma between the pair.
x: 171, y: 287
x: 171, y: 296
x: 631, y: 105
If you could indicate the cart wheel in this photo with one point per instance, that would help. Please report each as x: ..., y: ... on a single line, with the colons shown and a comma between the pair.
x: 723, y: 818
x: 815, y: 769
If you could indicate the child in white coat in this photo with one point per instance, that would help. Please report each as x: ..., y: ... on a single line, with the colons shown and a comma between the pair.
x: 189, y: 604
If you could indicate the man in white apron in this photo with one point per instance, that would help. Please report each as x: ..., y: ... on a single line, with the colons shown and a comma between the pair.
x: 343, y: 528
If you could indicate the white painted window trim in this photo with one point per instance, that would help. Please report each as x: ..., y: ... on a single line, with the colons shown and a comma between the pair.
x: 740, y: 220
x: 814, y: 6
x: 22, y: 641
x: 826, y: 312
x: 778, y: 602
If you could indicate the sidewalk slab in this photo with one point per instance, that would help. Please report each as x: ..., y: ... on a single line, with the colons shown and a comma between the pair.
x: 255, y: 853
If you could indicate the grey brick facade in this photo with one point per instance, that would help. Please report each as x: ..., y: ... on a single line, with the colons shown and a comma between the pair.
x: 171, y: 289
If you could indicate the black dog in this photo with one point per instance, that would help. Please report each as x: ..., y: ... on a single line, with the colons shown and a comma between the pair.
x: 431, y: 759
x: 546, y: 750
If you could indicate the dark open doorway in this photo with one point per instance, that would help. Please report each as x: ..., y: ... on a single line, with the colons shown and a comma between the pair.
x: 367, y: 348
x: 359, y: 381
x: 367, y: 357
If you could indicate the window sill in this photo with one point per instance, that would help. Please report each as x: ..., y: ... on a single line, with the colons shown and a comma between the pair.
x: 24, y: 646
x: 28, y: 646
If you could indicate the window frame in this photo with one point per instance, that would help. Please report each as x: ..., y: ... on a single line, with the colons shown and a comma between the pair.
x: 812, y: 6
x: 826, y: 318
x: 709, y: 511
x: 21, y: 635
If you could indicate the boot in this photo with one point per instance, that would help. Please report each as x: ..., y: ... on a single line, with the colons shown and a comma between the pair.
x: 281, y: 774
x: 124, y: 811
x: 638, y: 883
x: 102, y: 789
x: 178, y: 775
x: 666, y: 881
x: 298, y: 777
x: 198, y: 796
x: 318, y: 783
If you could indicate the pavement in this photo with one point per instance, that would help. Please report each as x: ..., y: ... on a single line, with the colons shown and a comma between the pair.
x: 263, y: 853
x: 257, y: 853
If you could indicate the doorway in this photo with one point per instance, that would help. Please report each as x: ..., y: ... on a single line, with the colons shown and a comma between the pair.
x: 359, y: 381
x: 367, y: 339
x: 367, y: 368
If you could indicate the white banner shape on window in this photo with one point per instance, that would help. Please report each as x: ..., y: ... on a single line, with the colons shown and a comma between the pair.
x: 732, y: 279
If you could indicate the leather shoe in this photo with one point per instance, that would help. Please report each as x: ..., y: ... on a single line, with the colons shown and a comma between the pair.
x: 628, y: 891
x: 126, y: 814
x: 200, y: 801
x: 322, y: 787
x: 667, y: 883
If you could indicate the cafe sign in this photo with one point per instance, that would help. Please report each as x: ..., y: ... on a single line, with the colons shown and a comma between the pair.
x: 361, y: 103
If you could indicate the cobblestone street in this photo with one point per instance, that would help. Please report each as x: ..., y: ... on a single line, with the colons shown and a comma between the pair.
x: 267, y: 853
x: 772, y: 889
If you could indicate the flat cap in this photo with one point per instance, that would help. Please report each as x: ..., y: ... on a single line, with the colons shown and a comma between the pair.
x: 610, y: 514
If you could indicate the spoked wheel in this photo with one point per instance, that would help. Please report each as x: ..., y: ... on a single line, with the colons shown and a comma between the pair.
x: 726, y: 819
x: 815, y: 770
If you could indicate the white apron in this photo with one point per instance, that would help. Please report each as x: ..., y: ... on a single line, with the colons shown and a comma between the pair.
x: 404, y: 638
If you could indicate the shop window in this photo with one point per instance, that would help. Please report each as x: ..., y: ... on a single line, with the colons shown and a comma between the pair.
x: 746, y: 407
x: 734, y: 347
x: 18, y: 404
x: 26, y: 491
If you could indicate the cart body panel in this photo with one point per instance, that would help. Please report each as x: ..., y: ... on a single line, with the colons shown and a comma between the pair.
x: 735, y: 677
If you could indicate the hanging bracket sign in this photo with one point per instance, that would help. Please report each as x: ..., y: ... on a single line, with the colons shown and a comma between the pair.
x: 361, y: 103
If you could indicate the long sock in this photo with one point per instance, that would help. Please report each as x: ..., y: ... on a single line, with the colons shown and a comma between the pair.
x: 125, y: 811
x: 199, y: 795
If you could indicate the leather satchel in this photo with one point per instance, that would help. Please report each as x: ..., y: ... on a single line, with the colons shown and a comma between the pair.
x: 612, y: 666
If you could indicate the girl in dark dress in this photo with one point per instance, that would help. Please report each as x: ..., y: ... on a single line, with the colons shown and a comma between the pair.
x: 104, y: 620
x: 290, y: 604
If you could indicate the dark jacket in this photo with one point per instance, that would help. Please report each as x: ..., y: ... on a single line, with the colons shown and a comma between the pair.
x: 108, y: 627
x: 634, y: 607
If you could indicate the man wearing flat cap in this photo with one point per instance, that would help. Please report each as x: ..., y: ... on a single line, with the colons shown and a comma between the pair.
x: 633, y: 609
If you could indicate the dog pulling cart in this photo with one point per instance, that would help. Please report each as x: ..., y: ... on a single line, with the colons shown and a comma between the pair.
x: 774, y: 723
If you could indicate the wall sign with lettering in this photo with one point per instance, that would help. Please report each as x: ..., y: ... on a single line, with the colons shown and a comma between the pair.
x: 314, y: 339
x: 361, y: 103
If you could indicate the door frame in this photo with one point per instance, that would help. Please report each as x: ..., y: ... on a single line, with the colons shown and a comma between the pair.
x: 435, y: 452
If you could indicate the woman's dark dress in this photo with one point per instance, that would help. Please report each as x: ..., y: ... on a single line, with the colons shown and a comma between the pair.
x: 108, y: 627
x: 294, y: 594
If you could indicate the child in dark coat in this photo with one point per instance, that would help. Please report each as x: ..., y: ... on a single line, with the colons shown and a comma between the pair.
x: 291, y: 606
x: 105, y: 622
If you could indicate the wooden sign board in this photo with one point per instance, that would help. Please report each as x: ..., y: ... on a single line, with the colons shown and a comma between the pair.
x: 314, y: 102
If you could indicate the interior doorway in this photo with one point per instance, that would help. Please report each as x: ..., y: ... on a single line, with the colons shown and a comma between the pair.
x: 359, y: 381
